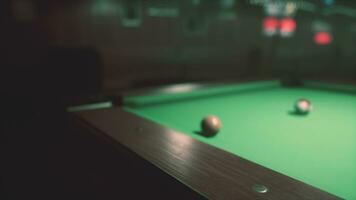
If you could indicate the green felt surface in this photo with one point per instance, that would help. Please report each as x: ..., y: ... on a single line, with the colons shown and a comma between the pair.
x: 259, y: 125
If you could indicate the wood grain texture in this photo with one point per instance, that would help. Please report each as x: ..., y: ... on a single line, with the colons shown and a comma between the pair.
x: 212, y: 172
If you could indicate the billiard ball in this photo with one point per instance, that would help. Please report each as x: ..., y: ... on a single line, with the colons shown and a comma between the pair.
x: 303, y: 106
x: 210, y: 125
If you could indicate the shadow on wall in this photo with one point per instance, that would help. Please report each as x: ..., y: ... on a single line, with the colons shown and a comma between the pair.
x: 74, y: 71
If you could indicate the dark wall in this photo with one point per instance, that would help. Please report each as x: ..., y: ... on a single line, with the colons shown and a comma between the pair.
x: 197, y: 44
x: 160, y: 48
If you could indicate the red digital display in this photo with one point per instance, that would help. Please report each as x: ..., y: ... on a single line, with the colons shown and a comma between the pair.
x: 323, y: 38
x: 270, y: 23
x: 288, y: 25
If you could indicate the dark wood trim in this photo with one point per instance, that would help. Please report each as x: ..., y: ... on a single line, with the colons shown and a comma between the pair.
x: 214, y: 173
x: 332, y: 81
x: 198, y: 85
x: 134, y: 177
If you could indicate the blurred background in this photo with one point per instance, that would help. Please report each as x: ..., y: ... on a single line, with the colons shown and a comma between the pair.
x: 110, y: 45
x: 54, y: 51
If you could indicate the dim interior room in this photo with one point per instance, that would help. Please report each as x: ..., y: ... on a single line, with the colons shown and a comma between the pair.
x: 178, y: 99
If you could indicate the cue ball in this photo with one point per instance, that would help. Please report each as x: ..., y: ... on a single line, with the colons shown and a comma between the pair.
x: 210, y: 125
x: 303, y: 106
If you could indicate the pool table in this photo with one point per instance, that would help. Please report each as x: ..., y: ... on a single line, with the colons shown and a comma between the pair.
x: 265, y: 150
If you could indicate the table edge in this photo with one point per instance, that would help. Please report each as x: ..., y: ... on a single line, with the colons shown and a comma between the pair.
x: 150, y: 141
